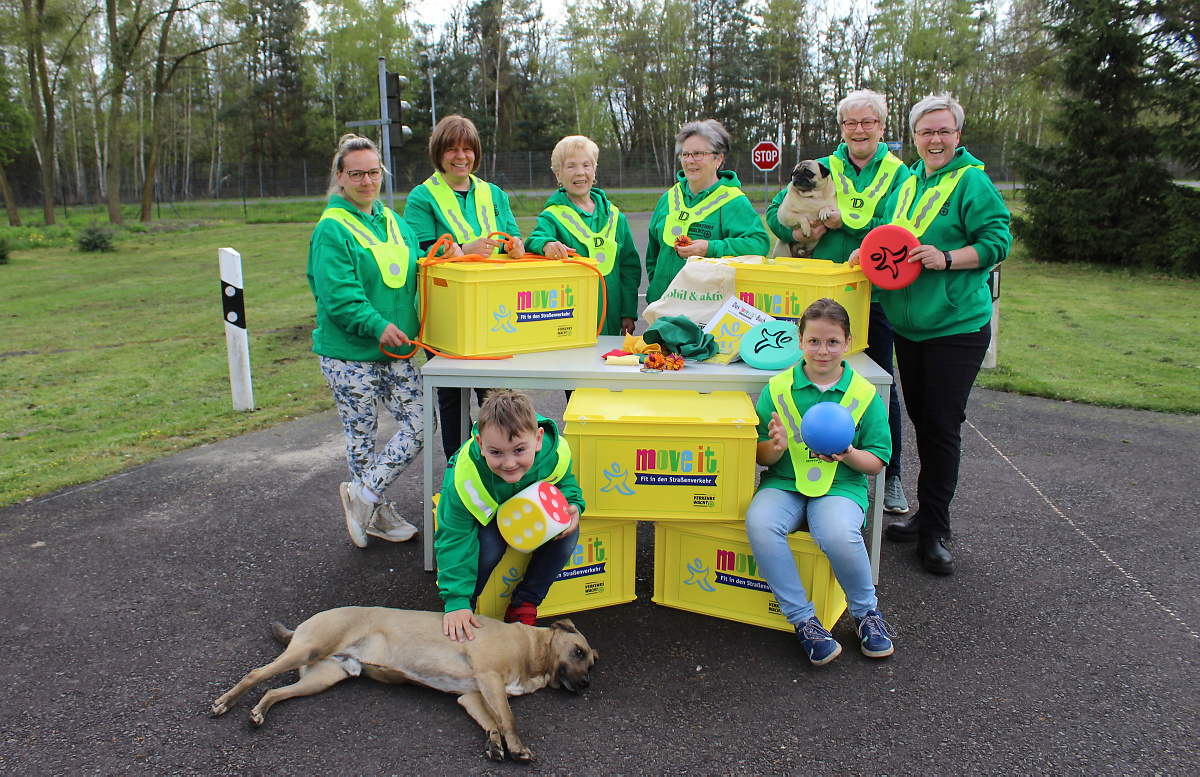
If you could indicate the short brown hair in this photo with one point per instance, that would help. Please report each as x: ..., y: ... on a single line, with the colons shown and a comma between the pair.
x: 451, y: 131
x: 510, y: 410
x: 827, y: 309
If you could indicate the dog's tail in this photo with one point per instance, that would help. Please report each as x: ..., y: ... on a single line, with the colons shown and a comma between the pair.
x: 281, y: 633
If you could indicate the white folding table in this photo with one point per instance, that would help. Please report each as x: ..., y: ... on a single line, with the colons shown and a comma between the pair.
x: 583, y: 367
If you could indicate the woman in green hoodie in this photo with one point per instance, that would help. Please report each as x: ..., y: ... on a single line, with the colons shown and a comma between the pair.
x: 705, y: 213
x: 942, y: 320
x: 579, y: 217
x: 362, y: 270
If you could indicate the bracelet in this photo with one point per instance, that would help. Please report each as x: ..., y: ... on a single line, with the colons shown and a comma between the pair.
x: 949, y: 260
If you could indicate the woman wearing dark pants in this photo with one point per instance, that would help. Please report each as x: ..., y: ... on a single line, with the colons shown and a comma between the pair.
x: 942, y: 320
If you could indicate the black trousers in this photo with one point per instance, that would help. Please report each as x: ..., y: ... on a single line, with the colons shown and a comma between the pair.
x: 937, y: 376
x: 879, y: 350
x: 450, y: 413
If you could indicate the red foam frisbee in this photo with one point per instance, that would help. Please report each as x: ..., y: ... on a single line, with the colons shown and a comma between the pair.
x: 884, y: 257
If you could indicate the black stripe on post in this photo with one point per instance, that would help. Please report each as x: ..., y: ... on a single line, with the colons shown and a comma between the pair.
x: 234, y: 304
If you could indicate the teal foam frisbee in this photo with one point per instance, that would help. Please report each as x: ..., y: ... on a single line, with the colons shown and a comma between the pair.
x: 771, y: 345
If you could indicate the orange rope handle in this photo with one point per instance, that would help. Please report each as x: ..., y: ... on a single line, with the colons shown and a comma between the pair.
x: 432, y: 258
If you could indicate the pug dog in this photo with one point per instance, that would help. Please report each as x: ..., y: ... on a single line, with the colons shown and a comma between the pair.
x: 810, y: 199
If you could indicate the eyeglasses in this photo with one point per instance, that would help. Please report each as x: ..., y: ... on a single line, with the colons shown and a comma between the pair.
x: 926, y: 134
x: 357, y: 175
x: 697, y: 155
x: 813, y: 344
x: 867, y: 124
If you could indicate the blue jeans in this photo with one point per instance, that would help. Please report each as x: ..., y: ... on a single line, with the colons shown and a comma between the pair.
x: 544, y: 566
x: 834, y: 523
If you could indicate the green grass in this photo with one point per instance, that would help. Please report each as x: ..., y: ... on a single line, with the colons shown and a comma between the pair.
x: 114, y: 359
x: 1099, y: 336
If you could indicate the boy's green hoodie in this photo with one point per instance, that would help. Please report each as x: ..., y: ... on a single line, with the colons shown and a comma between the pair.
x: 354, y: 305
x: 734, y: 229
x: 626, y: 276
x: 456, y: 541
x: 951, y: 302
x: 837, y: 244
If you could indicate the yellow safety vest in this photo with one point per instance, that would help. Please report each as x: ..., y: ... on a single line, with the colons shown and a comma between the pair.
x: 600, y: 246
x: 679, y: 219
x: 859, y: 207
x: 447, y: 202
x: 391, y: 255
x: 814, y: 476
x: 931, y: 201
x: 470, y: 488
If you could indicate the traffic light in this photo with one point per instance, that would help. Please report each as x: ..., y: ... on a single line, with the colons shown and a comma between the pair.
x: 396, y: 108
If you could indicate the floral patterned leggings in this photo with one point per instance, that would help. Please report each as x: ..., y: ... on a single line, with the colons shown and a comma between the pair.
x: 357, y: 388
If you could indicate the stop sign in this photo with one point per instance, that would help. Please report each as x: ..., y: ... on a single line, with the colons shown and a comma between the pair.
x: 765, y: 156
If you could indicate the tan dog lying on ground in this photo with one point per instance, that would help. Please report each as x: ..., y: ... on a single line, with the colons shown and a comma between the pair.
x: 810, y: 199
x: 406, y: 646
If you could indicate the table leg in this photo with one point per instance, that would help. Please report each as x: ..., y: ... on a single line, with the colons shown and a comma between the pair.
x: 430, y: 399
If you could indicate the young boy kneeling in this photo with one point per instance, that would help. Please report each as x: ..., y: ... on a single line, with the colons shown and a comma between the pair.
x: 511, y: 447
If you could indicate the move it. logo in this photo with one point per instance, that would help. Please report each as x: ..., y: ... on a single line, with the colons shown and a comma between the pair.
x: 735, y: 569
x: 536, y: 305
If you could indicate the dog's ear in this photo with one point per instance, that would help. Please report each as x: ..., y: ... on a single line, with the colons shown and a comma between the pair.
x: 824, y: 170
x: 595, y: 655
x: 565, y: 625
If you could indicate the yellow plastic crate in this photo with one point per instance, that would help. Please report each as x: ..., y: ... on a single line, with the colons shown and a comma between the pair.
x: 786, y: 288
x: 599, y: 574
x: 484, y: 309
x: 709, y: 569
x: 663, y: 455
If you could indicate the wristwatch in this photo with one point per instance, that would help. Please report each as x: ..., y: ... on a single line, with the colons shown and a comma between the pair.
x: 949, y: 259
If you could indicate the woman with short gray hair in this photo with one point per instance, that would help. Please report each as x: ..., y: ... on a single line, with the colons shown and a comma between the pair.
x: 942, y: 320
x: 705, y: 213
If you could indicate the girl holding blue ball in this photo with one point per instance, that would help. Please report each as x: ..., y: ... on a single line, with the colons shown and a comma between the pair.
x: 828, y: 492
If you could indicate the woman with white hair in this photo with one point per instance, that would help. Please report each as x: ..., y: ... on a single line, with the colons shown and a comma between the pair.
x: 579, y: 217
x: 942, y: 320
x: 865, y: 174
x: 705, y: 213
x: 362, y: 270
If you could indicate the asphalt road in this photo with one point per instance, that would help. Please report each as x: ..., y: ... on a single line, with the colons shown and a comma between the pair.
x: 1067, y: 640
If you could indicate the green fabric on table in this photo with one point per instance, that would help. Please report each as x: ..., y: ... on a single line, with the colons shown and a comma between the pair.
x: 681, y: 335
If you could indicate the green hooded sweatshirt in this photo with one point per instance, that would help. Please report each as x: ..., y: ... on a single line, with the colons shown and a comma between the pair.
x: 456, y: 541
x: 735, y: 229
x: 423, y: 215
x: 623, y: 280
x: 354, y: 305
x: 951, y: 302
x: 837, y: 244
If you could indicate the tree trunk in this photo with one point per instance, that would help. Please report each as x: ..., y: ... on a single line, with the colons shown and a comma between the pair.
x: 10, y: 203
x: 41, y: 102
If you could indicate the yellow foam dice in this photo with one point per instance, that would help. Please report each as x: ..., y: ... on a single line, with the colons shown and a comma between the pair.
x: 533, y: 517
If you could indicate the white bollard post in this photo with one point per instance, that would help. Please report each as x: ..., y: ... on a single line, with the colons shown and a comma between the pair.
x: 233, y: 304
x: 989, y: 358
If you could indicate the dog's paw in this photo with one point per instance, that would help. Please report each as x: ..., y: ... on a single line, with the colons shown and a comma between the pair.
x: 805, y: 227
x: 521, y: 755
x: 219, y: 708
x: 825, y: 214
x: 495, y: 748
x: 256, y: 718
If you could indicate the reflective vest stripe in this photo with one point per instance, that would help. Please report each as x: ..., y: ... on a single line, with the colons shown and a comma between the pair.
x: 679, y: 218
x: 447, y: 204
x: 814, y: 476
x: 391, y: 255
x: 931, y: 201
x: 600, y: 246
x: 475, y: 496
x: 847, y: 194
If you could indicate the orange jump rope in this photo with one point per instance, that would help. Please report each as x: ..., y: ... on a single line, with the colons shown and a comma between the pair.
x: 431, y: 259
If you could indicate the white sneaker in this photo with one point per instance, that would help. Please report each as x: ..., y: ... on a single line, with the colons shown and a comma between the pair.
x: 358, y: 512
x: 388, y: 525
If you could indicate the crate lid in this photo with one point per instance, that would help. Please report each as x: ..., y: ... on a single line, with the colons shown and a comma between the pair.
x: 732, y: 408
x: 503, y: 270
x: 801, y: 269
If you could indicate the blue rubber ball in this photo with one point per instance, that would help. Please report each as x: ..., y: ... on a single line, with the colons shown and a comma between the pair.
x: 827, y: 428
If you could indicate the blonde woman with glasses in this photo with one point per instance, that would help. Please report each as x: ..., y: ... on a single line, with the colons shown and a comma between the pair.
x: 362, y: 270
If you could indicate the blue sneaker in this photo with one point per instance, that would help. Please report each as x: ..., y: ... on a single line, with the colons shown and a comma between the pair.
x: 818, y: 642
x: 875, y: 634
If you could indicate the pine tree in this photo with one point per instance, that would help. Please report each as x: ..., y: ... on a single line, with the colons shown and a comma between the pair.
x: 1102, y: 195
